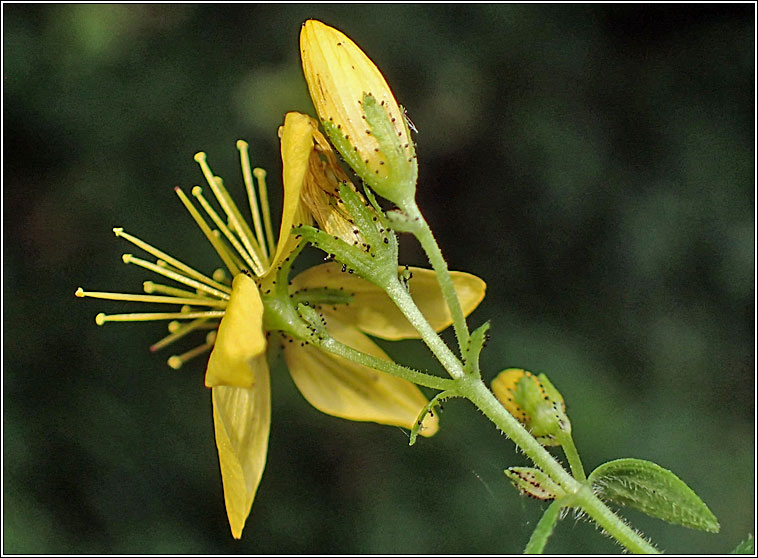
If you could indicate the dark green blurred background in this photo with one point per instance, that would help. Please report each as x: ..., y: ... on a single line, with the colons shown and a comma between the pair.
x: 593, y: 163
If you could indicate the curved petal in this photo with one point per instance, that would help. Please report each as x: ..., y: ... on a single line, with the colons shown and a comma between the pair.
x: 296, y: 146
x: 242, y: 419
x: 373, y: 312
x: 344, y: 389
x: 240, y: 337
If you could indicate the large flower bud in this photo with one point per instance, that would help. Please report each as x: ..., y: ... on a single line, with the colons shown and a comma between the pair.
x: 359, y: 112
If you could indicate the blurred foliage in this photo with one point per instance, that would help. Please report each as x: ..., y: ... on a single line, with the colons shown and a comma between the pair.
x: 594, y: 163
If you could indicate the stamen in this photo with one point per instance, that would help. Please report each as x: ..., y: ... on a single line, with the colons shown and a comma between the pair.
x: 260, y: 176
x: 179, y: 331
x: 230, y: 208
x: 177, y: 361
x: 218, y: 293
x: 198, y: 193
x: 187, y: 270
x: 176, y: 325
x: 101, y: 318
x: 150, y: 287
x: 221, y: 276
x: 247, y: 176
x: 151, y: 298
x: 215, y: 242
x: 231, y: 254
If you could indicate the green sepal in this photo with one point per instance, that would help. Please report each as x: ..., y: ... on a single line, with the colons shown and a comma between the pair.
x: 545, y: 408
x: 315, y: 321
x: 476, y: 343
x: 745, y: 547
x: 400, y: 184
x: 534, y: 483
x: 321, y: 295
x: 656, y: 491
x: 436, y: 401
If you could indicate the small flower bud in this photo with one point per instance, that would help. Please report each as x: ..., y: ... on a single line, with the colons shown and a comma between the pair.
x: 534, y: 483
x: 535, y: 402
x: 359, y: 112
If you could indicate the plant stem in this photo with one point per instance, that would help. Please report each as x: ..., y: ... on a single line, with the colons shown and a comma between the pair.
x: 421, y: 378
x: 544, y: 529
x: 573, y: 458
x: 407, y: 306
x: 582, y: 495
x: 420, y: 229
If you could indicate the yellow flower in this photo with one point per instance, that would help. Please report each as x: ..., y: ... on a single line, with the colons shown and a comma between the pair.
x: 235, y: 313
x: 359, y: 111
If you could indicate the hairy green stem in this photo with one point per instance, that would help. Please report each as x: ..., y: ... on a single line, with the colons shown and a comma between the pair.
x: 420, y: 229
x: 403, y: 300
x: 544, y: 528
x: 421, y: 378
x: 573, y: 458
x: 582, y: 496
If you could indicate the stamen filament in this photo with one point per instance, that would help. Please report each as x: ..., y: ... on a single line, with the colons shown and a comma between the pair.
x: 231, y: 254
x: 223, y: 294
x: 151, y: 298
x: 198, y: 193
x: 150, y: 287
x: 247, y: 176
x: 215, y: 242
x: 238, y: 223
x: 260, y: 176
x: 176, y: 325
x: 180, y: 331
x: 187, y: 270
x: 101, y: 318
x: 177, y: 361
x: 230, y: 208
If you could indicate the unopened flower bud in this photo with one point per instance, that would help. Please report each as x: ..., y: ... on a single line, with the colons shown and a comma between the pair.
x: 359, y: 112
x: 535, y: 402
x: 534, y: 483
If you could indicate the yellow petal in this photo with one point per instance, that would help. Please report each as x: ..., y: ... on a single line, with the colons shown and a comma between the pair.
x: 240, y: 337
x: 344, y: 389
x: 296, y: 146
x: 242, y: 419
x: 372, y: 310
x: 339, y: 75
x: 504, y: 388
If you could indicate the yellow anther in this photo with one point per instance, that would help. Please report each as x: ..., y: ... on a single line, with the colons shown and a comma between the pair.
x: 100, y: 319
x: 177, y: 361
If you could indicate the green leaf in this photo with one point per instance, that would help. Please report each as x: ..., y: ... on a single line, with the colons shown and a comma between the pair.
x: 654, y: 490
x: 745, y: 547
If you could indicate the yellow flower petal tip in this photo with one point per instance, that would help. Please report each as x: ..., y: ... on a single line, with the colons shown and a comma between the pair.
x: 242, y: 418
x: 359, y: 111
x: 240, y: 337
